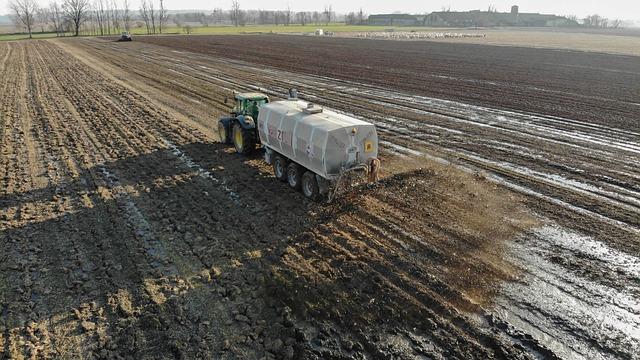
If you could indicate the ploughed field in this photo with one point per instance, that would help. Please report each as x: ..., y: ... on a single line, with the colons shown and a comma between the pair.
x: 507, y: 223
x: 588, y: 87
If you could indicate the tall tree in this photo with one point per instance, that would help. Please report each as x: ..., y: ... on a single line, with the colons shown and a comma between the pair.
x: 76, y: 11
x: 328, y: 13
x: 302, y: 18
x: 287, y: 16
x: 100, y: 15
x: 115, y: 16
x: 25, y: 13
x: 55, y: 16
x: 152, y: 16
x: 235, y: 12
x: 126, y: 15
x: 144, y: 14
x: 108, y: 16
x: 361, y: 17
x: 162, y: 16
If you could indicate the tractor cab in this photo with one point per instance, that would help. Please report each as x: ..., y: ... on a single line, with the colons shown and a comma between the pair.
x: 240, y: 128
x: 248, y: 104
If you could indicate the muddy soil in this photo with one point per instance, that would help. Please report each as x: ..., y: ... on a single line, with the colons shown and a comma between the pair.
x: 588, y: 87
x: 128, y: 231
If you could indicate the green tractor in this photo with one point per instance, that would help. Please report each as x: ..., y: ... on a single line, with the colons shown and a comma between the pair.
x: 240, y: 127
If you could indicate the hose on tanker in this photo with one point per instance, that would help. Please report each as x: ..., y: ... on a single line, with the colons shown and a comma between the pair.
x: 374, y: 170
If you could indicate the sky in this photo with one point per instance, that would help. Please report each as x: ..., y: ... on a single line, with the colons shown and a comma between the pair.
x: 614, y: 9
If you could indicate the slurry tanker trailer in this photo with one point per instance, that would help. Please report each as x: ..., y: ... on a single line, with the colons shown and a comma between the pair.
x: 314, y: 150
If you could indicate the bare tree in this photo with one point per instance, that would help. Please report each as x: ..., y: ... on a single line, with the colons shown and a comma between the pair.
x: 235, y: 12
x: 162, y: 16
x: 316, y: 18
x: 115, y: 16
x: 360, y: 17
x: 287, y: 16
x: 263, y: 17
x: 100, y: 15
x: 302, y: 18
x: 350, y: 18
x: 126, y: 15
x: 25, y: 13
x: 615, y: 24
x: 152, y: 16
x: 42, y: 18
x: 205, y: 20
x: 328, y: 13
x: 218, y: 15
x: 107, y: 14
x: 595, y: 20
x: 144, y: 14
x: 76, y: 12
x: 55, y: 17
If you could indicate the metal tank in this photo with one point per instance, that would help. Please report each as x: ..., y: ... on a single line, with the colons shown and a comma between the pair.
x: 322, y: 141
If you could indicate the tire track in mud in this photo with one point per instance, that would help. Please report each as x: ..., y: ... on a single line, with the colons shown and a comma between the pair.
x: 137, y: 222
x: 110, y: 184
x: 172, y: 265
x: 78, y: 263
x: 187, y: 72
x: 18, y: 282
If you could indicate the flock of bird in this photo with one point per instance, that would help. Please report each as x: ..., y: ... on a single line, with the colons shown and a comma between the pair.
x: 406, y: 35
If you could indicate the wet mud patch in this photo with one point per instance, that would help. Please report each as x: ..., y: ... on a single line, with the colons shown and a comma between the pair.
x: 400, y: 258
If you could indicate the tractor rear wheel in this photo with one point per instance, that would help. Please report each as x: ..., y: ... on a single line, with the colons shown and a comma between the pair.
x: 242, y: 140
x: 280, y: 168
x: 222, y: 133
x: 294, y: 175
x: 310, y: 187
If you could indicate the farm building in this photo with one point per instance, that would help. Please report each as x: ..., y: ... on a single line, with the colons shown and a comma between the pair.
x: 488, y: 19
x: 395, y: 19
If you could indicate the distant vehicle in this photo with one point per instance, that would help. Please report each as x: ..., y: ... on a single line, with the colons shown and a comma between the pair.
x: 312, y: 149
x: 125, y: 36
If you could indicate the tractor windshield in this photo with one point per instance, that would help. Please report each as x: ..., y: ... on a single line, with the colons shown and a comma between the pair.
x: 249, y: 107
x: 254, y: 108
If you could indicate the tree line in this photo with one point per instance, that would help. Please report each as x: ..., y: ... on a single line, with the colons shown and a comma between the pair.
x: 97, y: 17
x: 597, y: 21
x: 106, y: 17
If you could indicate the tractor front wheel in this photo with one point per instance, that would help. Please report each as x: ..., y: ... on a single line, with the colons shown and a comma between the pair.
x: 242, y: 140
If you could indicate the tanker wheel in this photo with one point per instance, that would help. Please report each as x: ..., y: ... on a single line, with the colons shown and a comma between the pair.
x: 280, y: 168
x: 310, y: 187
x: 242, y: 140
x: 222, y: 133
x: 294, y: 175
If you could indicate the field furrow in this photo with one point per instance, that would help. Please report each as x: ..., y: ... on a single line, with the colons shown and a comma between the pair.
x: 506, y: 225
